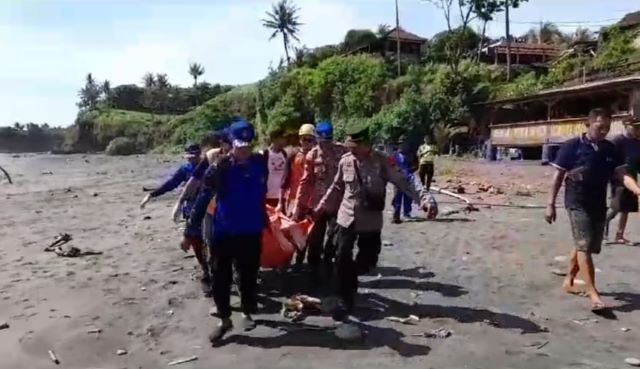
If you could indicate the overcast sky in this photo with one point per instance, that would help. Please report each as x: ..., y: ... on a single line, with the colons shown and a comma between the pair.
x: 47, y: 47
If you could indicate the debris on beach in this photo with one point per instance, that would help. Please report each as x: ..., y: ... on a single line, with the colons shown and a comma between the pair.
x: 121, y: 352
x: 4, y: 325
x: 95, y: 330
x: 558, y: 272
x: 625, y: 329
x: 6, y: 174
x: 59, y: 240
x: 524, y: 193
x: 73, y: 252
x: 440, y: 333
x: 53, y: 357
x: 183, y: 360
x: 632, y: 361
x: 411, y: 319
x: 583, y: 321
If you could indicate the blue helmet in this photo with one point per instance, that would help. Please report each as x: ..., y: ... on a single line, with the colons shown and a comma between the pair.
x: 191, y: 150
x: 241, y: 133
x: 324, y: 130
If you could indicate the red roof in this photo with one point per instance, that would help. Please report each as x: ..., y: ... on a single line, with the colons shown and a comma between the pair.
x: 405, y: 36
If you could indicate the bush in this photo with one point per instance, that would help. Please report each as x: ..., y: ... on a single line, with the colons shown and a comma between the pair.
x: 122, y: 146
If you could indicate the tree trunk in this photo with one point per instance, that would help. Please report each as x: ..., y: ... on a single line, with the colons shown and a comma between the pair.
x: 195, y: 90
x: 480, y: 43
x: 285, y: 40
x: 506, y: 14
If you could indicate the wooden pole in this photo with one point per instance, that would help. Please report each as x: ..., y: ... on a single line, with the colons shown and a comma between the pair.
x: 398, y: 38
x: 506, y: 14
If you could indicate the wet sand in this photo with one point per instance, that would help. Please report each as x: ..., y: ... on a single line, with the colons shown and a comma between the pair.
x: 485, y: 276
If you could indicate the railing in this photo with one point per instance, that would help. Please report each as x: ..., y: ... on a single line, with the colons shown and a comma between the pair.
x: 595, y: 74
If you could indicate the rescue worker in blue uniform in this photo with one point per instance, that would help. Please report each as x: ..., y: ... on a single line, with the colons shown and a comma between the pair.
x: 402, y: 162
x: 192, y: 154
x: 238, y: 183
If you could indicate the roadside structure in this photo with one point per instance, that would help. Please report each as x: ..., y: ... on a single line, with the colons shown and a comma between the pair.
x: 539, y: 123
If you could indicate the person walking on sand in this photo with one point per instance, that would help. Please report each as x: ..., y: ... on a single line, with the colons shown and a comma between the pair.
x: 321, y: 166
x: 220, y: 145
x: 293, y: 174
x: 239, y: 183
x: 295, y: 169
x: 192, y: 154
x: 624, y: 201
x: 400, y: 199
x: 426, y: 156
x: 276, y: 159
x: 360, y: 188
x: 586, y: 164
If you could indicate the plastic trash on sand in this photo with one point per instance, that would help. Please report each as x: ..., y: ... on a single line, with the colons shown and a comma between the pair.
x: 281, y: 239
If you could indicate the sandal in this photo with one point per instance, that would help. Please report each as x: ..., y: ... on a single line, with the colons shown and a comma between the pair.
x: 620, y: 240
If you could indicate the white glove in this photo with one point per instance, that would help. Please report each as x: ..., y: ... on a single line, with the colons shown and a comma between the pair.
x: 175, y: 213
x: 145, y: 201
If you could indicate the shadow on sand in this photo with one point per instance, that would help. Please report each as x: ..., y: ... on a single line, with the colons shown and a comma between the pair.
x: 630, y: 301
x: 306, y: 335
x: 372, y: 307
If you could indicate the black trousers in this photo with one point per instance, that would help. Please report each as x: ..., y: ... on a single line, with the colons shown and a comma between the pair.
x: 347, y: 268
x: 319, y: 250
x: 243, y: 252
x: 426, y: 170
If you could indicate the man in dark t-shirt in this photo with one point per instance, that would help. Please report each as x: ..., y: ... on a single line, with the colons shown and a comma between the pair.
x: 586, y: 164
x: 624, y: 201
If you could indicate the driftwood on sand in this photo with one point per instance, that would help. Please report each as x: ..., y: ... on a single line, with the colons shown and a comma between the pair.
x: 6, y: 175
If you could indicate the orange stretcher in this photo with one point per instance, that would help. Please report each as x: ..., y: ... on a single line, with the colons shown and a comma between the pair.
x: 282, y: 238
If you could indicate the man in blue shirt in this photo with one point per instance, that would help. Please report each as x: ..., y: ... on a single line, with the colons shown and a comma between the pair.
x: 586, y: 164
x: 624, y: 201
x: 402, y: 161
x: 239, y: 185
x: 181, y: 175
x: 192, y: 154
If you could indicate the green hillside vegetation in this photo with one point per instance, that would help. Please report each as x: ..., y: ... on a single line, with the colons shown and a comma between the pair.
x: 354, y: 82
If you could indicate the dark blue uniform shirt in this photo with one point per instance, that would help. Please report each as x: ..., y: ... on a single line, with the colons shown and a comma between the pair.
x: 589, y: 167
x: 240, y: 192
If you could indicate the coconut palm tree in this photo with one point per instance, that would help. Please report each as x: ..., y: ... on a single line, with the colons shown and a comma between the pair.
x: 162, y: 81
x: 195, y: 70
x: 382, y: 32
x: 149, y: 80
x: 582, y: 34
x: 283, y: 20
x: 547, y: 33
x: 106, y: 92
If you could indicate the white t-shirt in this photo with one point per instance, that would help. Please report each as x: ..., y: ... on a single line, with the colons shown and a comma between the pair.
x: 276, y: 166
